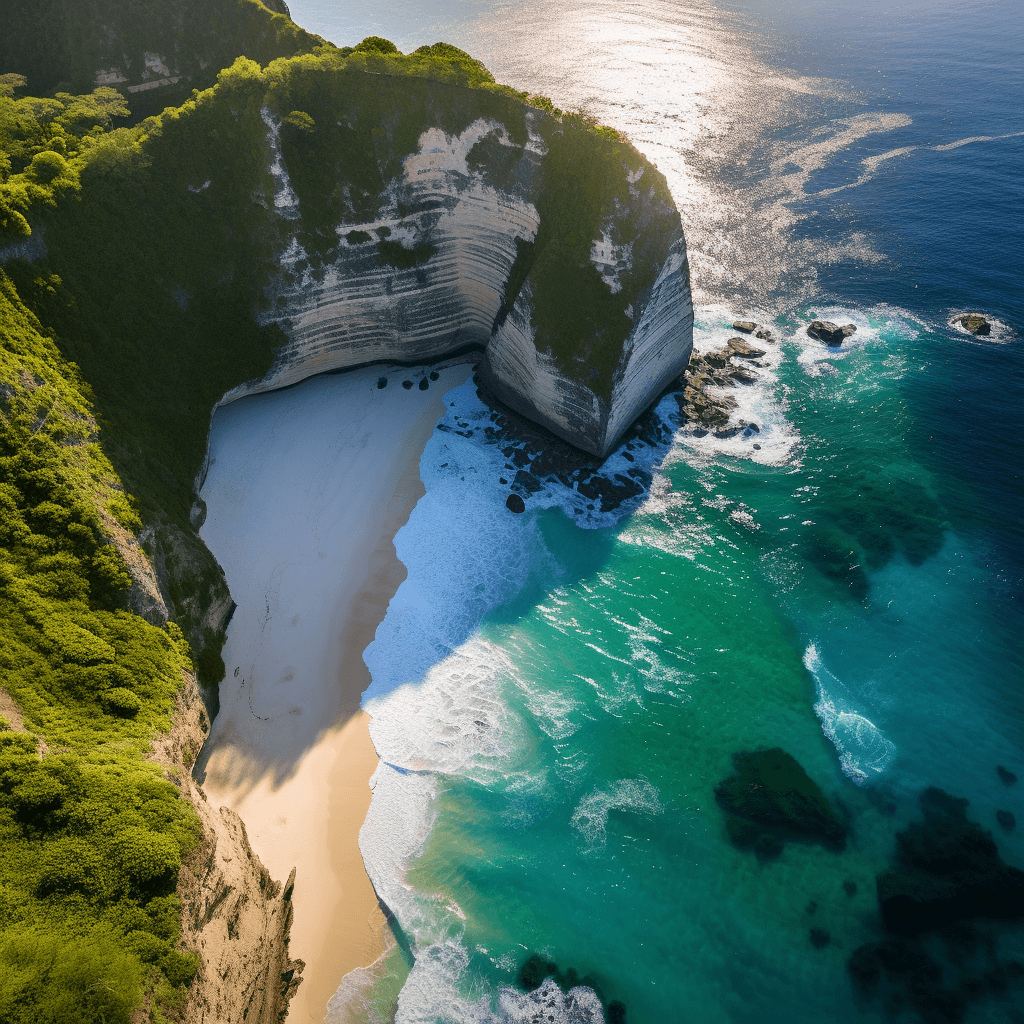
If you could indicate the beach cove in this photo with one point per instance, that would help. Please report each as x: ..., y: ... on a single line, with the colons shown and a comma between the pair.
x: 305, y: 491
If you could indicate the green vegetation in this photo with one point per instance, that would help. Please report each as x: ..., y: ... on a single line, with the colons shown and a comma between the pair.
x: 394, y: 254
x: 37, y: 137
x: 576, y: 316
x: 91, y: 834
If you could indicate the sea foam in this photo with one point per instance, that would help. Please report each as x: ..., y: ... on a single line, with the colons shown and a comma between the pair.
x: 864, y: 753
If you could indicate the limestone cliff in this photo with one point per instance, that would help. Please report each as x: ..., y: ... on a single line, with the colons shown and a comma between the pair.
x: 553, y: 246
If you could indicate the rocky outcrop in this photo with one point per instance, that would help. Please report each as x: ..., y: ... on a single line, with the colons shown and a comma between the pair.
x: 701, y: 401
x: 452, y: 258
x: 974, y: 323
x: 830, y: 333
x: 233, y: 914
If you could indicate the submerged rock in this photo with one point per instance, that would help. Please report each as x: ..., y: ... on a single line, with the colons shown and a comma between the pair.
x: 1006, y: 820
x: 974, y: 323
x: 771, y: 800
x: 830, y: 333
x: 382, y: 382
x: 1005, y: 775
x: 948, y: 869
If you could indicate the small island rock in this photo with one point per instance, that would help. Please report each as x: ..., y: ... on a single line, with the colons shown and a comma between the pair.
x: 974, y: 323
x: 830, y: 333
x: 744, y: 349
x: 747, y: 326
x: 515, y: 504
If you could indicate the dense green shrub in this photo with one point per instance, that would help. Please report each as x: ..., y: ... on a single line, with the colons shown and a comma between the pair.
x: 53, y: 977
x: 91, y: 835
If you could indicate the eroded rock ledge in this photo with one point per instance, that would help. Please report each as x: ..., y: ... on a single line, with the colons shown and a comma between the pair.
x: 233, y: 913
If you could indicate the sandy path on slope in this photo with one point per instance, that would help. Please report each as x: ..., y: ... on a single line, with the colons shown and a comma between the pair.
x: 306, y: 490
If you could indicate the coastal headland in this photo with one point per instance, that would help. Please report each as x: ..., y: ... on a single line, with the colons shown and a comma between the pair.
x: 324, y: 209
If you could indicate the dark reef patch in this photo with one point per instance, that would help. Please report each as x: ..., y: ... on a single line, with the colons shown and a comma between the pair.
x: 771, y: 800
x: 947, y: 869
x: 537, y: 969
x: 939, y: 903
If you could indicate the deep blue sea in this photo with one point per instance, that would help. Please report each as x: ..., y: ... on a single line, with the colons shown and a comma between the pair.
x: 556, y: 695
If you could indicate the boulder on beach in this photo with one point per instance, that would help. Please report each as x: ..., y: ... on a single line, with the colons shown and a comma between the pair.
x: 974, y: 323
x: 771, y: 800
x: 830, y: 333
x: 526, y: 481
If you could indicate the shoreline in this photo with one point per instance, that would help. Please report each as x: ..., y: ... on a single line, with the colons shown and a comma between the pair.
x: 305, y: 534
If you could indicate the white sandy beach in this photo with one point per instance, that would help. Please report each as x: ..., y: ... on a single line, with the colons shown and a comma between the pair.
x: 305, y: 492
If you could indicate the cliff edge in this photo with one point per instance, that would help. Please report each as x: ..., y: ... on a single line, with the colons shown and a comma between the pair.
x: 233, y: 914
x: 417, y: 217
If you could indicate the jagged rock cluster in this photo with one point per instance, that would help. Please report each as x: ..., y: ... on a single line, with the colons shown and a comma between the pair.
x: 723, y: 368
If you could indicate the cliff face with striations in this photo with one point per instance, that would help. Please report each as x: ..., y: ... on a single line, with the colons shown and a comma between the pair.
x: 462, y: 241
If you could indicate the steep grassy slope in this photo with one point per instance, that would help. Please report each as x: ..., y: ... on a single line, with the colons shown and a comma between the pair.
x: 91, y: 834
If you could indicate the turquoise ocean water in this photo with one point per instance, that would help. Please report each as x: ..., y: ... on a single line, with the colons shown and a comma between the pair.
x: 556, y: 695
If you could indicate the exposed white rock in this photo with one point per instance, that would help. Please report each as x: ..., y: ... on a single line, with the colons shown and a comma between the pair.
x: 357, y: 309
x: 611, y: 259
